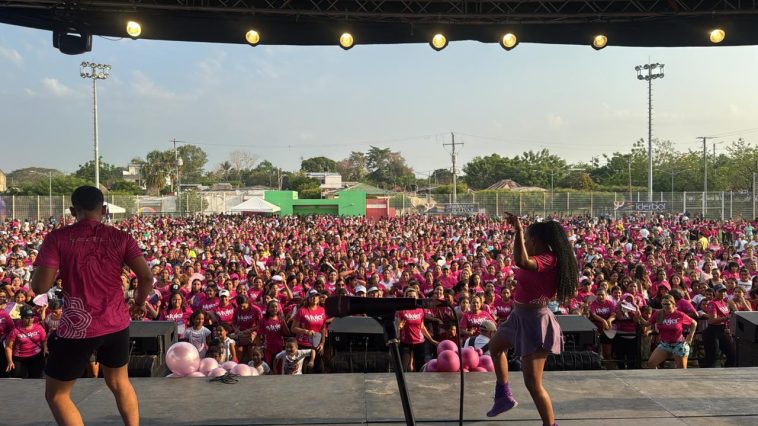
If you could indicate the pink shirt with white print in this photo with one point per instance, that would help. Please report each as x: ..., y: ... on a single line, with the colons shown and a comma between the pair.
x: 89, y: 256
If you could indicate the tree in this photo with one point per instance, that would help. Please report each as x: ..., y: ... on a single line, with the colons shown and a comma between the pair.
x: 156, y: 170
x: 318, y: 165
x: 61, y: 185
x: 242, y: 161
x: 125, y: 188
x: 306, y: 187
x: 442, y: 177
x: 264, y: 174
x: 224, y: 169
x: 109, y: 174
x: 482, y: 172
x: 193, y: 162
x: 353, y: 168
x: 388, y: 168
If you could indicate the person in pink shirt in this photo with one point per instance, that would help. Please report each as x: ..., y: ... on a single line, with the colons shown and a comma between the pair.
x: 471, y: 320
x: 716, y: 336
x: 602, y: 313
x: 671, y: 323
x: 503, y: 305
x: 273, y: 328
x: 6, y: 326
x: 224, y: 311
x: 412, y: 335
x: 89, y: 257
x: 26, y: 347
x: 309, y: 325
x: 547, y: 266
x: 177, y: 311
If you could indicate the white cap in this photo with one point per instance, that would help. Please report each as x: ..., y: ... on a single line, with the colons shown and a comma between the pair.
x: 360, y: 289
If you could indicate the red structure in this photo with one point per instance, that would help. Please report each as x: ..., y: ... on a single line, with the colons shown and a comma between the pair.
x: 378, y: 208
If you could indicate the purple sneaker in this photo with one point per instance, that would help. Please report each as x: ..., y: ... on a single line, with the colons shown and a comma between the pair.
x: 502, y: 405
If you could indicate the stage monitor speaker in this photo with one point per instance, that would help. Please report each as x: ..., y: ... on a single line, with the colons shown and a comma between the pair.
x: 579, y: 332
x: 146, y: 366
x: 573, y: 360
x: 151, y: 338
x: 356, y: 345
x: 745, y: 326
x: 747, y: 353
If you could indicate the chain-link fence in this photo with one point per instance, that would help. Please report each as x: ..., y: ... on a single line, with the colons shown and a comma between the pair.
x: 494, y: 203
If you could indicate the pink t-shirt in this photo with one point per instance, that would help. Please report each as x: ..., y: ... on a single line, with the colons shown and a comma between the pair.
x: 471, y: 321
x: 538, y: 286
x: 6, y: 325
x: 671, y: 326
x: 180, y: 316
x: 246, y: 319
x: 309, y: 319
x: 225, y: 314
x: 503, y: 309
x: 89, y: 256
x: 273, y: 338
x: 27, y: 342
x: 414, y: 319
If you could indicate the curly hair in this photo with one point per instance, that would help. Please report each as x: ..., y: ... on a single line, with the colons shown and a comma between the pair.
x: 552, y: 234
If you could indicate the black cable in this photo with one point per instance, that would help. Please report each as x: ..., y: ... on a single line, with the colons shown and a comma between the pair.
x: 228, y: 378
x: 460, y: 361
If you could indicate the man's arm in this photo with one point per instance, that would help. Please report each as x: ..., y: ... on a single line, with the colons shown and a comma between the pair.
x: 138, y: 265
x: 43, y: 279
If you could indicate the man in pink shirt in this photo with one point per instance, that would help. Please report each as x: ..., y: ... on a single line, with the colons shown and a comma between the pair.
x: 88, y: 256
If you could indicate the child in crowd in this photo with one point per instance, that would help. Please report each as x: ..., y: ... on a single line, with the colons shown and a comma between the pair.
x: 257, y: 362
x: 198, y: 334
x: 290, y: 360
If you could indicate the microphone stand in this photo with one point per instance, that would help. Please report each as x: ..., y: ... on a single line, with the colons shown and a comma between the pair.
x: 393, y: 344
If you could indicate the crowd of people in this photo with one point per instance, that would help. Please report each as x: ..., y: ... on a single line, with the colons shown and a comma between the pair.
x: 251, y: 288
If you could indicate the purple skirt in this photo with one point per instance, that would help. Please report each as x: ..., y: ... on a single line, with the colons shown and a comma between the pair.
x: 530, y: 329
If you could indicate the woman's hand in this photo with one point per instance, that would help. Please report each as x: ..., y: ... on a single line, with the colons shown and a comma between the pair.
x: 320, y: 349
x: 10, y: 367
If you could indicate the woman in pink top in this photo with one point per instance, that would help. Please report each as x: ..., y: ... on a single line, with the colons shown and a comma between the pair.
x: 412, y: 335
x: 309, y: 325
x: 504, y: 305
x: 547, y: 266
x: 471, y: 320
x: 26, y: 347
x: 670, y: 323
x: 716, y: 336
x: 273, y: 328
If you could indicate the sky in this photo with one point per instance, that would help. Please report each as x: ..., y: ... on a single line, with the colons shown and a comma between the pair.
x: 284, y: 103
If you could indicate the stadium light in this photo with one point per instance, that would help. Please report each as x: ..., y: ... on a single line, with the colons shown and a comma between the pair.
x: 134, y: 29
x: 439, y: 42
x: 717, y: 35
x: 599, y: 41
x: 252, y: 37
x: 347, y: 41
x: 509, y: 41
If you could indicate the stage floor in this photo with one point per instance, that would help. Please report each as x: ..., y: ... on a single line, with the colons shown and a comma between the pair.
x: 650, y: 397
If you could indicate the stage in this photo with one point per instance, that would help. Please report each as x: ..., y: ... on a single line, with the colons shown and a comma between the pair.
x: 649, y: 397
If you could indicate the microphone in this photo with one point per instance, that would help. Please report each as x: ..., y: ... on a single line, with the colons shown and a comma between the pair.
x: 343, y: 306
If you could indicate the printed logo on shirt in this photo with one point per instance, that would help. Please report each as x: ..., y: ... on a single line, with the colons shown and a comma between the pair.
x: 670, y: 321
x: 314, y: 318
x: 412, y: 317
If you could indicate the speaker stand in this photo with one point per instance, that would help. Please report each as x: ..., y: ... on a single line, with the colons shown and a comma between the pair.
x: 393, y: 343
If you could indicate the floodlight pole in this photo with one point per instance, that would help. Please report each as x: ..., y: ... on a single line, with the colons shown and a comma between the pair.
x: 95, y: 72
x: 649, y: 77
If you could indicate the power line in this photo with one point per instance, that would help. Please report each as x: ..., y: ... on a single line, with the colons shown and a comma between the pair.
x: 453, y: 156
x: 290, y: 146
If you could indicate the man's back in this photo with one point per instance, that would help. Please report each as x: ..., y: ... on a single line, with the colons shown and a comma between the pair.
x: 89, y: 256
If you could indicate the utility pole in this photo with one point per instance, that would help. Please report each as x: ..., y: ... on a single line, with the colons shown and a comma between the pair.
x: 649, y: 77
x: 453, y: 155
x: 175, y: 182
x: 630, y: 178
x: 705, y: 172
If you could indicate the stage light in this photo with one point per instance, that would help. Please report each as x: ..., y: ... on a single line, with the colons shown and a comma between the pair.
x: 438, y: 42
x: 509, y: 41
x: 346, y: 41
x: 134, y: 29
x: 717, y: 35
x: 252, y: 38
x: 599, y: 42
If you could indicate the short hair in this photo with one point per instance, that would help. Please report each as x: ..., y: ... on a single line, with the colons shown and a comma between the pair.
x: 87, y: 198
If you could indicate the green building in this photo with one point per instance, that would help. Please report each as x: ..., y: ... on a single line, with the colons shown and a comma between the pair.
x: 352, y: 203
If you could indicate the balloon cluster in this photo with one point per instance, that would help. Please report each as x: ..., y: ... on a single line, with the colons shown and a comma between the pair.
x: 447, y: 360
x: 183, y: 359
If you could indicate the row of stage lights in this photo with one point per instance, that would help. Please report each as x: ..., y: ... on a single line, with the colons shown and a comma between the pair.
x: 438, y: 42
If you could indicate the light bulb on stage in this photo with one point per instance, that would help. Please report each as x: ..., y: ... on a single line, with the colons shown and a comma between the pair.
x: 438, y: 42
x: 252, y: 38
x: 346, y: 41
x: 599, y: 42
x: 509, y: 41
x: 717, y: 35
x: 134, y: 29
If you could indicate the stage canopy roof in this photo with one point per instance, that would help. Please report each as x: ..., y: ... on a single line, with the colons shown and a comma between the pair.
x: 321, y: 22
x: 255, y: 205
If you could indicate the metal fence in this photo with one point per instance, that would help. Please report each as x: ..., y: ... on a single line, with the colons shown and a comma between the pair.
x: 715, y: 205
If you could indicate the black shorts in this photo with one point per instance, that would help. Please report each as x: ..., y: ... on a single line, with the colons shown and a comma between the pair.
x: 69, y: 357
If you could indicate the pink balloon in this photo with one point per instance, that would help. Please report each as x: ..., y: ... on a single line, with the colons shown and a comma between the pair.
x: 465, y: 370
x: 183, y: 358
x: 485, y: 361
x: 470, y: 358
x: 207, y: 365
x: 431, y: 366
x: 479, y: 369
x: 195, y: 374
x: 242, y: 370
x: 447, y: 361
x: 174, y: 376
x: 446, y: 345
x: 479, y: 351
x: 216, y: 372
x: 228, y: 365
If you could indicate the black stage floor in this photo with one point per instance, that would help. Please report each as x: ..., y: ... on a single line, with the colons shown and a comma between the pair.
x: 638, y: 397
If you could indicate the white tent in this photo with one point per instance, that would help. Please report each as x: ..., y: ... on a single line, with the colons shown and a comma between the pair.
x: 114, y: 209
x: 255, y: 205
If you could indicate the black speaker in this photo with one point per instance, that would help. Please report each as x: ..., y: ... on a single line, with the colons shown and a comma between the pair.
x: 747, y: 353
x: 578, y: 331
x: 72, y: 43
x: 149, y: 342
x: 745, y: 326
x: 356, y: 345
x: 356, y: 333
x: 573, y: 360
